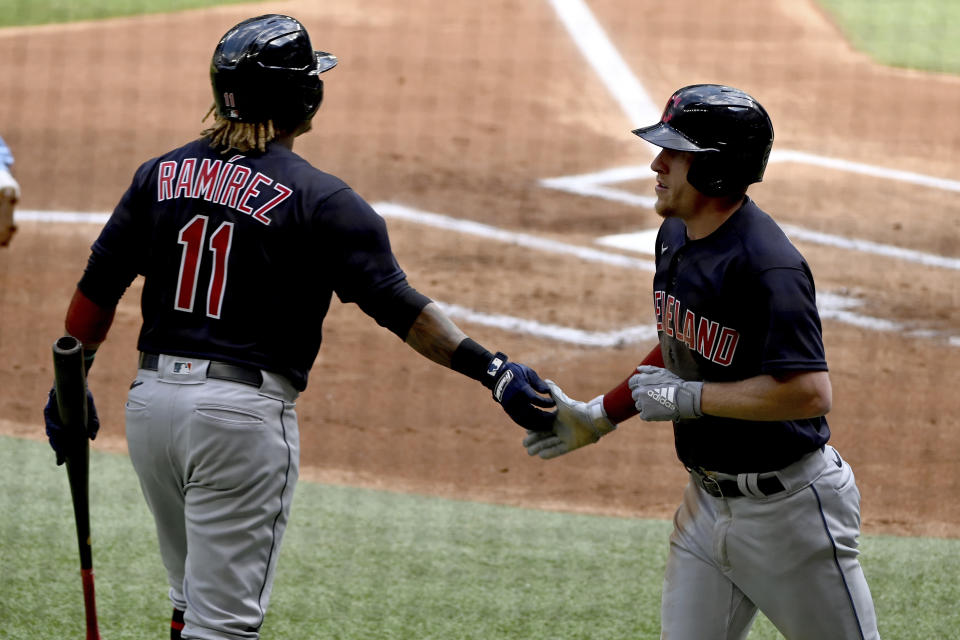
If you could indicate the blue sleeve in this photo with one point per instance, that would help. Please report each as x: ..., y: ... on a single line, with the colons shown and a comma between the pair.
x: 794, y: 336
x: 117, y: 255
x: 6, y: 156
x: 364, y: 270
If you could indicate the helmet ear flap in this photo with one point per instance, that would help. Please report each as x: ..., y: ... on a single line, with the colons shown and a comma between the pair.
x: 708, y: 175
x: 304, y: 103
x: 312, y: 99
x: 717, y: 174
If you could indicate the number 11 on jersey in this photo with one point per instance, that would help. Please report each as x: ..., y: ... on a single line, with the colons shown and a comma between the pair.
x: 192, y: 238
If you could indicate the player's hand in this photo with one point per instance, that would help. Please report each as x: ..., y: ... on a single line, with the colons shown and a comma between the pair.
x: 61, y: 439
x: 519, y: 391
x: 661, y: 395
x: 577, y: 424
x: 6, y: 233
x: 9, y: 195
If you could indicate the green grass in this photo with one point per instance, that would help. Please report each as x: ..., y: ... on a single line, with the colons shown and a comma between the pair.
x: 361, y: 564
x: 24, y: 12
x: 919, y: 34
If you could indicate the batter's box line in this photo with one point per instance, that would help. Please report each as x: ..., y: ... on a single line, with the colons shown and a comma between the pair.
x: 832, y: 306
x: 597, y: 185
x: 569, y: 335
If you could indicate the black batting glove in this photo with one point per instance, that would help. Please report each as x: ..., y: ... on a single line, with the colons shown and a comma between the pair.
x: 61, y: 440
x: 517, y: 388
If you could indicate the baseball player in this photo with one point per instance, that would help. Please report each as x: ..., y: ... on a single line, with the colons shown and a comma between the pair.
x: 771, y: 515
x: 9, y: 195
x: 242, y: 243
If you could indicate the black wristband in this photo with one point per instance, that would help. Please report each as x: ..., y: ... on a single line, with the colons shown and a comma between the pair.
x: 473, y: 361
x: 88, y: 356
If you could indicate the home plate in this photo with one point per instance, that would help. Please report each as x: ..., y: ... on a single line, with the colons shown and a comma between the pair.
x: 639, y: 241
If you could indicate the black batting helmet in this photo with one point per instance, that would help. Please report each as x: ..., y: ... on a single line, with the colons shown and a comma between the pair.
x: 729, y: 131
x: 266, y: 69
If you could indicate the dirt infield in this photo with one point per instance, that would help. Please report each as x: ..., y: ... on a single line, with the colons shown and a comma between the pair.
x: 462, y: 109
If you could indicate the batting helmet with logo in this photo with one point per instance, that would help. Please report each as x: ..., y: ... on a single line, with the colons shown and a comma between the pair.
x: 266, y: 69
x: 728, y: 130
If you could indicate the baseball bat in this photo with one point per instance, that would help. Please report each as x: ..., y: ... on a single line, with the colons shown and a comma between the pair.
x: 71, y: 387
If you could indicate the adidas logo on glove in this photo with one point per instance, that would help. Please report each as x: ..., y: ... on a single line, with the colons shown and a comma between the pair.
x: 665, y: 396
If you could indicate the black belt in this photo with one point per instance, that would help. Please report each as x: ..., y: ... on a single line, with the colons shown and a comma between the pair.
x: 217, y: 369
x: 730, y: 489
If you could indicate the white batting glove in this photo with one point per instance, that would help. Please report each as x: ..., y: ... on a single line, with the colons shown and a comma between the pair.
x: 661, y: 395
x: 577, y: 424
x: 9, y: 195
x: 8, y: 185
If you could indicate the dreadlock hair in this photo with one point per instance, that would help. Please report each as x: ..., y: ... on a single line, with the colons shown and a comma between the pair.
x: 241, y: 136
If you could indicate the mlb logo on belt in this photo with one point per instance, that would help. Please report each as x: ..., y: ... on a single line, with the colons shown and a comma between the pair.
x: 182, y: 367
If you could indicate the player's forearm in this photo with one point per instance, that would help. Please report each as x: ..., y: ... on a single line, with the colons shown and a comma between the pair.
x: 87, y: 321
x: 804, y: 395
x: 434, y: 336
x: 618, y: 403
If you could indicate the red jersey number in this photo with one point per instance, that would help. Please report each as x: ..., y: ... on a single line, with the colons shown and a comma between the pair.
x: 192, y: 237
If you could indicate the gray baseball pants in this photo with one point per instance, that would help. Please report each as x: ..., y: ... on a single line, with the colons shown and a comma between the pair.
x: 217, y: 463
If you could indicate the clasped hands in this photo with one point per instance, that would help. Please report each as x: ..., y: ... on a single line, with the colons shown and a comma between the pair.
x: 658, y: 395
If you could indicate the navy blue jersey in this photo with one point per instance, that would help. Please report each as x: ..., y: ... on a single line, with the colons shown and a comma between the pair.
x: 241, y: 255
x: 733, y: 305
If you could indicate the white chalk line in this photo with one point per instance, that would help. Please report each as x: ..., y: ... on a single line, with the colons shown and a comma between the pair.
x: 595, y: 185
x: 569, y: 335
x: 70, y: 217
x: 607, y: 62
x: 469, y: 227
x: 629, y: 93
x: 833, y: 306
x: 643, y: 242
x: 875, y: 248
x: 920, y: 179
x: 616, y: 338
x: 603, y: 57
